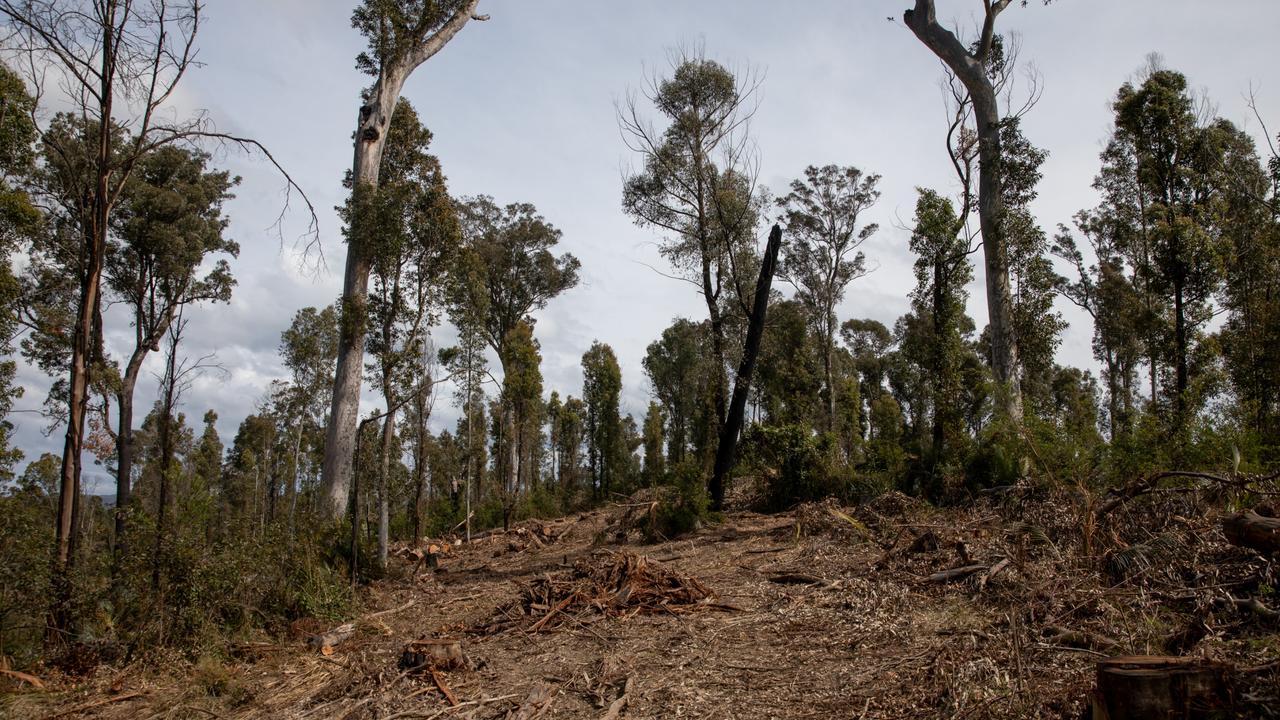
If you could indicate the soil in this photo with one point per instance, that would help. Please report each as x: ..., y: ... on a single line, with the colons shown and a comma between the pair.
x: 816, y: 613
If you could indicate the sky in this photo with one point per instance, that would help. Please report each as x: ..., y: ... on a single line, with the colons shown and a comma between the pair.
x: 523, y: 108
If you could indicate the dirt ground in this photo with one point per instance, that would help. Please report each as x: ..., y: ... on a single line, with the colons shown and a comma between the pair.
x: 822, y: 612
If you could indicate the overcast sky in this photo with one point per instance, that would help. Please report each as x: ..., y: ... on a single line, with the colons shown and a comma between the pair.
x: 522, y: 108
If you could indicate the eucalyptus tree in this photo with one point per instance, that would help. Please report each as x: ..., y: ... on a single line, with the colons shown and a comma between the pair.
x: 19, y: 221
x: 942, y: 270
x: 104, y: 51
x: 401, y: 36
x: 682, y: 377
x: 696, y: 186
x: 972, y: 66
x: 511, y: 255
x: 308, y: 349
x: 654, y: 469
x: 601, y: 389
x: 522, y: 400
x: 822, y: 215
x: 167, y: 226
x: 413, y: 239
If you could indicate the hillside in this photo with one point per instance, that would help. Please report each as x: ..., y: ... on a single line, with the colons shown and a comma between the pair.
x: 818, y: 612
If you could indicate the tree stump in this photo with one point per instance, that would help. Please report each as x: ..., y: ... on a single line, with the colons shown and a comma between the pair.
x: 1142, y: 687
x: 433, y: 654
x: 1251, y: 530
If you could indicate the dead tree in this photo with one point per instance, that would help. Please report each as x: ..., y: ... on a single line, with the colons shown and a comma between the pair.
x: 728, y: 446
x: 399, y: 49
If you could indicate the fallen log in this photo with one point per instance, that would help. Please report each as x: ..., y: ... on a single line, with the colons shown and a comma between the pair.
x: 1251, y: 530
x: 955, y: 574
x: 1149, y: 686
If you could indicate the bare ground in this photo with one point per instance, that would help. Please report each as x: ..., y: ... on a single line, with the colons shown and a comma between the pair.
x: 816, y: 613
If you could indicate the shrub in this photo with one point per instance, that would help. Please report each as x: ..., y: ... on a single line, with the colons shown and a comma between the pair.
x: 796, y: 465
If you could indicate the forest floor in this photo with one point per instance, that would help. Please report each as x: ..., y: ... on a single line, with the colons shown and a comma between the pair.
x: 819, y: 612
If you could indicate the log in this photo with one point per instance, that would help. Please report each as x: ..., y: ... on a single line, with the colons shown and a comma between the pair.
x: 955, y: 574
x: 433, y: 654
x: 326, y: 642
x: 1151, y: 686
x: 1251, y: 530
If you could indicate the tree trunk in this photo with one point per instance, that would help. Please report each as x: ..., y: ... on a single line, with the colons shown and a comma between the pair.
x: 1251, y: 530
x: 124, y: 461
x: 972, y: 73
x: 727, y: 448
x: 384, y: 467
x: 370, y: 139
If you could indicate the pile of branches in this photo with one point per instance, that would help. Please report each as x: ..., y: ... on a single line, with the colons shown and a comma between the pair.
x: 613, y: 584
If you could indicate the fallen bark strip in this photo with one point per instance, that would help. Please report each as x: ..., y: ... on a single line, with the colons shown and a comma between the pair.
x: 617, y: 706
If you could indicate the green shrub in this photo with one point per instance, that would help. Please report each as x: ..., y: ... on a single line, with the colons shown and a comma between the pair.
x: 796, y: 465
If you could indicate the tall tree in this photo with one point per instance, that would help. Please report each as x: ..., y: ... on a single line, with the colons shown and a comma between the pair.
x: 414, y: 235
x: 19, y: 221
x: 601, y: 389
x: 511, y: 256
x: 696, y: 186
x: 168, y: 225
x: 972, y: 67
x: 402, y: 35
x: 106, y: 50
x: 821, y: 213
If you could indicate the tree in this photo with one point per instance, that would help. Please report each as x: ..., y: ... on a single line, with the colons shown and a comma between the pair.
x: 522, y: 397
x: 106, y: 49
x: 942, y: 270
x: 168, y: 224
x: 309, y: 349
x: 19, y: 221
x: 511, y: 256
x: 972, y: 68
x: 654, y: 465
x: 821, y: 214
x: 697, y: 187
x: 682, y: 374
x: 413, y: 238
x: 402, y: 34
x: 601, y: 389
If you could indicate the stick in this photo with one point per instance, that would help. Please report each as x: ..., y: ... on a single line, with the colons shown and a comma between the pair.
x: 448, y: 694
x: 617, y: 706
x: 96, y: 703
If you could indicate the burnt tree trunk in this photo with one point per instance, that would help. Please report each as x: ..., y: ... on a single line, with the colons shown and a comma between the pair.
x: 728, y: 446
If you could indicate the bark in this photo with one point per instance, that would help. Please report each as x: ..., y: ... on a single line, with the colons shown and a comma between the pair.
x: 971, y: 70
x: 728, y: 446
x: 1251, y: 530
x: 370, y: 139
x: 384, y: 468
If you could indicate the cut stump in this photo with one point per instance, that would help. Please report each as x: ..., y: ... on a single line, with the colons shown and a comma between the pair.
x: 1171, y: 688
x: 433, y: 654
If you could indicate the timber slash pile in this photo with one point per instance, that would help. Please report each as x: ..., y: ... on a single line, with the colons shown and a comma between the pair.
x: 1015, y: 607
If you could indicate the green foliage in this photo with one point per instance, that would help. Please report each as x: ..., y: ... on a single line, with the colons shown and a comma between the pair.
x: 683, y: 505
x: 796, y: 465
